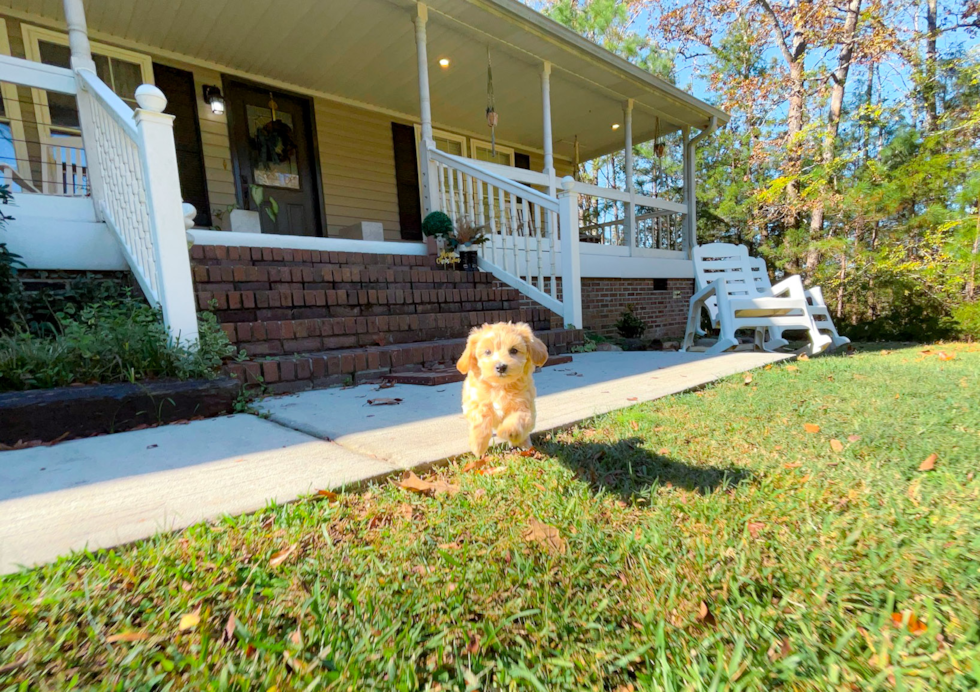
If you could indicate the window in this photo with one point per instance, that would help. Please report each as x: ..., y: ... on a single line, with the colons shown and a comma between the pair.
x: 122, y: 70
x: 13, y: 147
x: 484, y: 151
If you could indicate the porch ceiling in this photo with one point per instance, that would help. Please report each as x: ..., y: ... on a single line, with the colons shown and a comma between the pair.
x: 364, y: 51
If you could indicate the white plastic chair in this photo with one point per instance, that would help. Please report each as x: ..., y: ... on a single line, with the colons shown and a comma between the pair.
x: 744, y: 298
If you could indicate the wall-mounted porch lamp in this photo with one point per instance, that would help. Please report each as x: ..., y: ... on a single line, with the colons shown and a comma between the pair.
x: 213, y: 97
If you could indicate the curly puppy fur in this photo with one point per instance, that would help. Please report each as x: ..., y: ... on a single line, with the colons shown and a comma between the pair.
x: 498, y: 394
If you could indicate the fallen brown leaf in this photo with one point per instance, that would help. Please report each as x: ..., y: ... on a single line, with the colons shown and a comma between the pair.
x: 754, y: 527
x: 635, y: 425
x: 915, y: 625
x: 281, y: 556
x: 930, y: 463
x: 778, y: 650
x: 539, y: 487
x: 853, y: 438
x: 414, y: 484
x: 631, y: 398
x: 493, y: 471
x: 384, y: 402
x: 791, y: 368
x: 128, y: 637
x: 405, y: 511
x: 793, y: 465
x: 328, y: 495
x: 228, y: 634
x: 532, y: 452
x: 296, y: 637
x: 190, y: 620
x: 545, y: 535
x: 946, y: 356
x: 803, y: 356
x: 476, y: 464
x: 748, y: 379
x: 811, y: 428
x: 704, y: 615
x: 14, y: 665
x: 473, y: 647
x: 837, y: 446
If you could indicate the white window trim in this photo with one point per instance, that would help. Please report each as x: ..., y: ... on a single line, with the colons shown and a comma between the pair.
x: 479, y: 143
x: 32, y: 37
x: 445, y: 135
x: 11, y: 106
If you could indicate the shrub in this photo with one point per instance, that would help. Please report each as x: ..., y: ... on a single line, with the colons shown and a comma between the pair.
x: 967, y: 318
x: 438, y: 225
x: 10, y: 287
x: 39, y: 308
x: 106, y: 342
x: 629, y: 325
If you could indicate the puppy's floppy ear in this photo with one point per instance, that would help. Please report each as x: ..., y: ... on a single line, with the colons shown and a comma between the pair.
x: 467, y: 361
x: 537, y: 351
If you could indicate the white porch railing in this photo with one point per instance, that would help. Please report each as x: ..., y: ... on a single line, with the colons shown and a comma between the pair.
x: 528, y: 247
x: 129, y: 167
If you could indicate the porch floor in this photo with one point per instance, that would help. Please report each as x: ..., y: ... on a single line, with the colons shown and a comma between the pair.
x: 106, y: 491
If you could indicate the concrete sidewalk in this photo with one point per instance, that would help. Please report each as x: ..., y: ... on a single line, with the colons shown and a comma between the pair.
x: 106, y: 491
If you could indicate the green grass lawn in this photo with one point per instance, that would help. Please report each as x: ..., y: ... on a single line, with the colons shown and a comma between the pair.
x: 706, y: 541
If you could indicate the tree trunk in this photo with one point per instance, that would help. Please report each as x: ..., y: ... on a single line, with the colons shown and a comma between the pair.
x: 833, y: 124
x: 868, y: 102
x: 930, y: 90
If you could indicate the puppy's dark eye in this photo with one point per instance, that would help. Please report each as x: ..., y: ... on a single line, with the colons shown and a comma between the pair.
x: 487, y: 352
x: 513, y: 351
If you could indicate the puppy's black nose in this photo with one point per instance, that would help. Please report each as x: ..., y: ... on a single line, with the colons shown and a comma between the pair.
x: 501, y: 368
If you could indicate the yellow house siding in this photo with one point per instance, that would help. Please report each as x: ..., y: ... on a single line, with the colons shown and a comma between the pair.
x: 357, y: 163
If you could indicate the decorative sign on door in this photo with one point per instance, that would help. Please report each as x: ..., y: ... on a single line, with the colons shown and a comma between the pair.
x: 273, y: 147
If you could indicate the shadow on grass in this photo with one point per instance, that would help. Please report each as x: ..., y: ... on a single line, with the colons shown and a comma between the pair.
x: 629, y: 470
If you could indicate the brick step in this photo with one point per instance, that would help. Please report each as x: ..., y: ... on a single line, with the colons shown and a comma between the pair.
x: 448, y: 375
x: 288, y: 336
x: 282, y: 374
x: 228, y: 254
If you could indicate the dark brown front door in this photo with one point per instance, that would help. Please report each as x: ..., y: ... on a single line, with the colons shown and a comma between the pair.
x: 178, y: 87
x: 272, y: 144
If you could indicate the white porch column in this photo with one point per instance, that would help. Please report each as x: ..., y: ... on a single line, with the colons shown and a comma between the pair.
x: 155, y: 132
x: 425, y: 114
x: 690, y: 196
x: 81, y: 51
x: 571, y: 265
x: 549, y: 155
x: 630, y: 206
x: 81, y: 59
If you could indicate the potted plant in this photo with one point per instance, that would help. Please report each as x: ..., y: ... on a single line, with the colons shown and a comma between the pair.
x: 462, y: 240
x: 468, y: 238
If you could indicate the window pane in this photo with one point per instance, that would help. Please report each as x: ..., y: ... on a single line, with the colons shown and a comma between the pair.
x: 126, y: 77
x: 484, y: 154
x: 64, y: 112
x: 450, y: 146
x: 55, y: 54
x: 3, y: 110
x: 102, y: 68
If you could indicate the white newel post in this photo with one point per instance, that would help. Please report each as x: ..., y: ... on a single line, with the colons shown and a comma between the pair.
x: 630, y: 207
x: 155, y: 132
x: 429, y: 187
x: 81, y: 59
x: 571, y: 266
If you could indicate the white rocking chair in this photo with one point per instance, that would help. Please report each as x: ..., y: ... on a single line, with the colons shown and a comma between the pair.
x: 742, y: 297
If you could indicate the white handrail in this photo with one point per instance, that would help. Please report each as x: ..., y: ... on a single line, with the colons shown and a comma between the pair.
x: 132, y: 160
x: 469, y: 168
x: 113, y: 106
x: 37, y: 75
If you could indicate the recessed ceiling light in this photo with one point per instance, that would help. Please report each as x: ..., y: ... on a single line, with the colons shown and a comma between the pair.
x: 615, y: 126
x: 444, y: 62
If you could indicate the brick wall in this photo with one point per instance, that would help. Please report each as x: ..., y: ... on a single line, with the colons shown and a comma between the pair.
x: 276, y: 301
x: 604, y: 300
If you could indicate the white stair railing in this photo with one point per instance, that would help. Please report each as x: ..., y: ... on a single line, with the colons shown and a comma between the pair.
x: 528, y: 247
x: 132, y: 162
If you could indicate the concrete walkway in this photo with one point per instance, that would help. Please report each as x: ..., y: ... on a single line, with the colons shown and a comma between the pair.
x: 106, y: 491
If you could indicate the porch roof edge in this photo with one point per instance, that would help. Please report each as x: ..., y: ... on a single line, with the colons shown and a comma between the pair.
x: 577, y: 43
